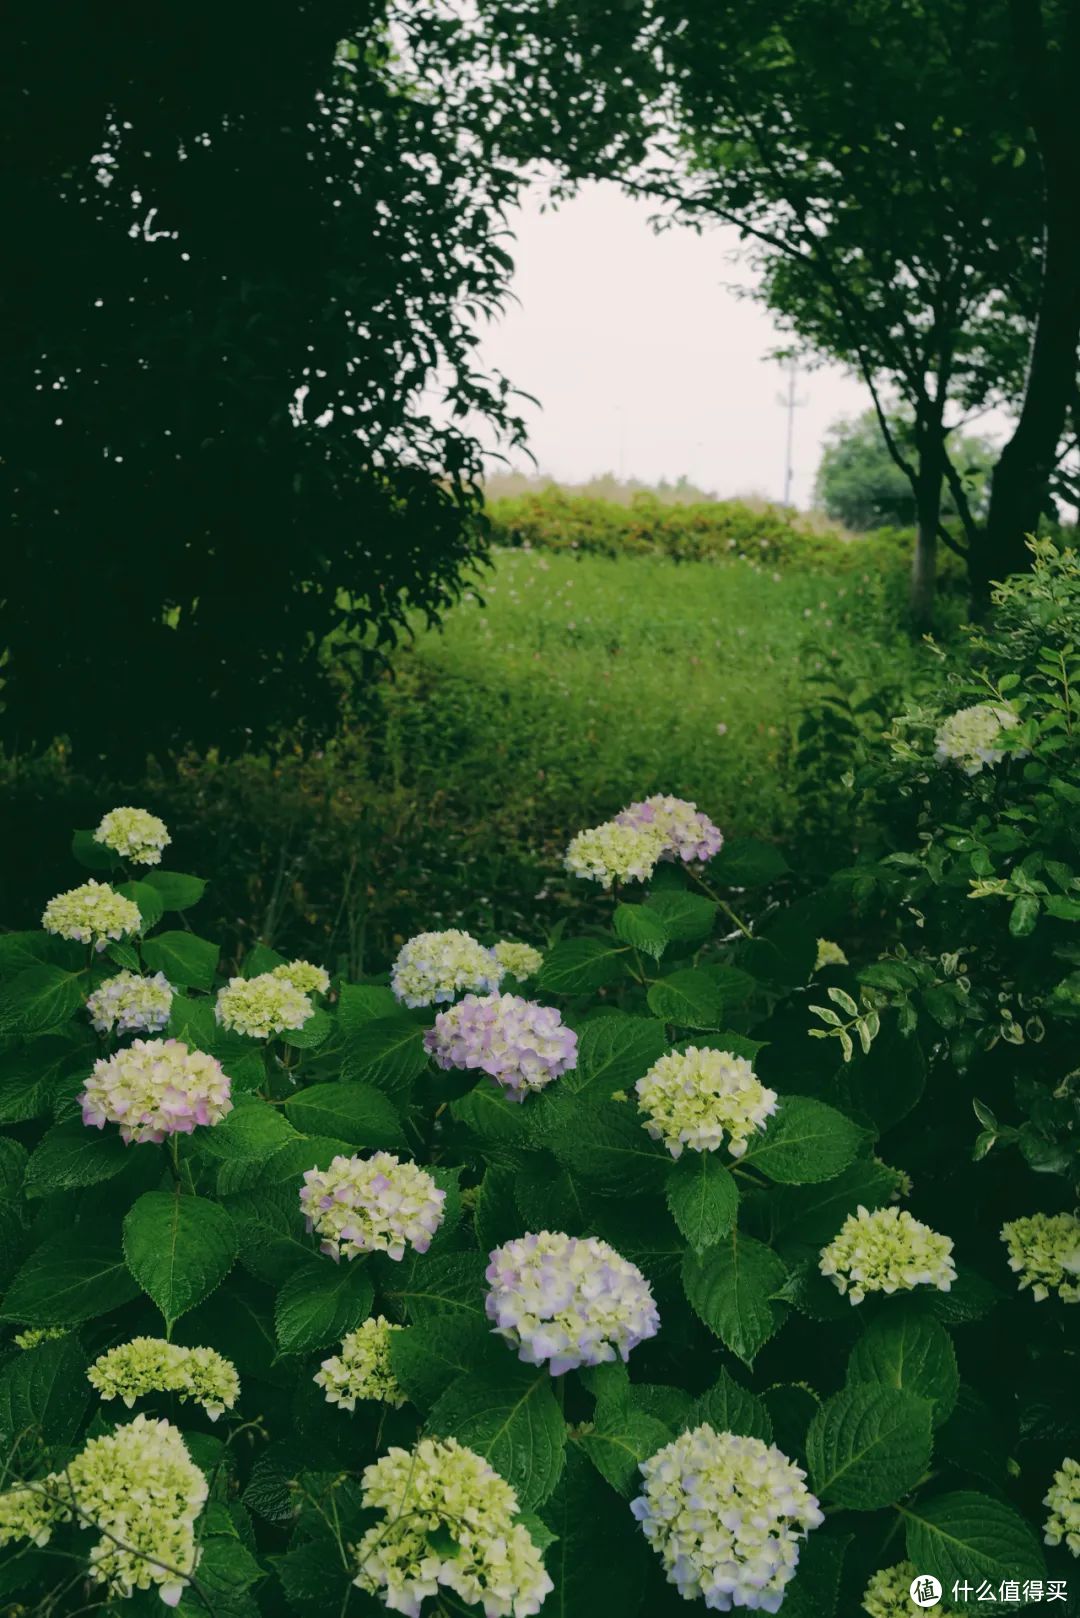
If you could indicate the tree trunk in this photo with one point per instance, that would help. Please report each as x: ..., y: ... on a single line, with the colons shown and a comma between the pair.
x: 928, y: 518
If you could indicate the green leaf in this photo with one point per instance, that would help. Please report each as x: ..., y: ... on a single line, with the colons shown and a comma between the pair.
x: 387, y: 1052
x: 253, y: 1130
x: 968, y: 1538
x: 319, y: 1303
x: 577, y: 965
x: 260, y: 959
x: 359, y: 1003
x: 599, y: 1561
x: 187, y: 961
x: 814, y: 1592
x: 610, y: 1150
x: 72, y: 1155
x: 889, y: 1080
x: 356, y: 1113
x: 178, y: 1248
x: 744, y: 862
x: 30, y: 1076
x: 805, y: 1141
x: 176, y: 891
x: 814, y: 1214
x: 687, y: 917
x: 511, y: 1418
x: 74, y: 1276
x: 912, y: 1352
x: 93, y: 855
x: 730, y: 1408
x: 1024, y: 915
x: 442, y: 1284
x: 867, y: 1446
x: 316, y: 1030
x: 689, y: 998
x: 44, y: 1390
x: 491, y: 1118
x: 731, y: 1287
x: 40, y: 998
x: 703, y: 1198
x: 619, y: 1440
x: 428, y: 1357
x: 642, y: 928
x: 148, y: 900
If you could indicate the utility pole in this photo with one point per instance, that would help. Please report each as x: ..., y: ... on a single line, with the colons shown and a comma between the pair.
x: 790, y: 404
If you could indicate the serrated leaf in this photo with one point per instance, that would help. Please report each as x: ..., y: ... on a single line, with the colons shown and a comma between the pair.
x: 967, y: 1538
x: 867, y: 1446
x: 511, y: 1418
x: 446, y: 1284
x: 387, y: 1052
x: 254, y: 1131
x: 187, y: 961
x: 806, y: 1141
x: 577, y: 965
x: 319, y: 1303
x: 688, y: 917
x: 72, y: 1155
x: 175, y: 890
x: 44, y: 1391
x: 703, y: 1197
x: 730, y: 1408
x: 40, y: 998
x: 92, y: 854
x: 912, y: 1352
x: 731, y: 1288
x: 146, y: 898
x: 428, y: 1357
x: 613, y: 1053
x: 356, y: 1113
x: 744, y: 862
x: 599, y: 1559
x: 619, y: 1440
x: 814, y: 1214
x: 66, y: 1281
x: 641, y: 928
x: 690, y: 998
x: 178, y: 1248
x: 609, y: 1150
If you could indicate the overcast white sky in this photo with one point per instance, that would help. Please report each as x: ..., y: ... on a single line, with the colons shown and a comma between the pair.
x: 645, y: 362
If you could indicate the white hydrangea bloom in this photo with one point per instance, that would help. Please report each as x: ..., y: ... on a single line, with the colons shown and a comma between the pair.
x: 698, y: 1096
x: 154, y: 1088
x: 372, y: 1204
x: 520, y: 960
x: 616, y: 853
x: 131, y: 1004
x: 887, y: 1251
x: 971, y: 737
x: 435, y: 967
x: 726, y: 1514
x: 1044, y: 1250
x: 1062, y: 1527
x: 362, y: 1369
x: 304, y: 976
x: 92, y: 914
x: 262, y: 1006
x: 566, y: 1301
x: 449, y: 1522
x: 151, y: 1365
x: 134, y: 834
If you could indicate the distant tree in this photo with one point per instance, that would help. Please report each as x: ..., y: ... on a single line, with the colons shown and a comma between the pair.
x: 247, y: 249
x: 859, y: 483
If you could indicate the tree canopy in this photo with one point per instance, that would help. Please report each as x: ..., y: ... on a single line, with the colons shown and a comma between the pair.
x: 859, y: 484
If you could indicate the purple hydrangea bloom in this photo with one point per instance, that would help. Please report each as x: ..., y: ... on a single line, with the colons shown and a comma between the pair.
x: 689, y: 834
x: 521, y: 1044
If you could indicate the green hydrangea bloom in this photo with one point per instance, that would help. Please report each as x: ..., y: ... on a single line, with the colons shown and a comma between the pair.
x: 152, y: 1365
x: 1062, y: 1527
x: 262, y: 1006
x: 1044, y: 1250
x: 887, y: 1251
x: 362, y: 1370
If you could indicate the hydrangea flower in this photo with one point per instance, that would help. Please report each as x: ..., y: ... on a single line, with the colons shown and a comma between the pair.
x: 1062, y: 1527
x: 435, y: 967
x: 262, y: 1006
x: 520, y: 960
x: 568, y: 1301
x: 362, y: 1369
x: 154, y: 1088
x: 131, y: 1004
x: 520, y: 1044
x: 1044, y: 1250
x: 697, y: 1096
x: 886, y: 1595
x: 34, y: 1336
x: 887, y: 1251
x: 134, y: 834
x: 92, y: 914
x: 372, y: 1204
x: 303, y: 976
x: 689, y: 835
x: 449, y: 1521
x: 152, y: 1365
x: 971, y: 737
x: 829, y: 954
x: 141, y: 1487
x: 726, y: 1514
x: 616, y: 853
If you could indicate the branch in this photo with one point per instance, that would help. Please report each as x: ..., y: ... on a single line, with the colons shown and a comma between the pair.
x: 959, y: 494
x: 954, y: 545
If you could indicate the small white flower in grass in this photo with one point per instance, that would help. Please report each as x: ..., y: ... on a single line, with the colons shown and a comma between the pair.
x: 616, y: 853
x: 134, y: 834
x: 362, y: 1370
x: 727, y: 1515
x: 520, y: 960
x: 303, y: 976
x: 971, y: 737
x: 435, y: 967
x: 566, y: 1301
x: 1044, y: 1250
x: 373, y: 1204
x: 1062, y: 1527
x: 518, y: 1043
x: 154, y: 1088
x: 262, y: 1006
x: 131, y: 1004
x: 689, y: 835
x: 887, y: 1251
x: 92, y: 914
x: 151, y: 1365
x: 449, y: 1521
x: 697, y: 1098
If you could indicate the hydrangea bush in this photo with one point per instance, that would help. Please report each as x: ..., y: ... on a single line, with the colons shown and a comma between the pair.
x: 686, y: 1264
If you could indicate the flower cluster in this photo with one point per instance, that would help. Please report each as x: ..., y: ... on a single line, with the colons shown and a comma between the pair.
x: 304, y: 976
x: 140, y: 1487
x: 971, y: 737
x: 435, y: 967
x: 262, y: 1005
x: 726, y: 1513
x: 829, y: 954
x: 34, y: 1336
x: 688, y: 833
x: 154, y: 1088
x: 520, y: 1044
x: 568, y: 1301
x: 372, y: 1204
x: 1044, y: 1250
x: 131, y: 1004
x: 886, y: 1595
x: 616, y: 853
x: 1062, y: 1527
x: 91, y: 914
x: 362, y: 1369
x: 151, y: 1365
x: 450, y: 1521
x: 520, y: 960
x: 696, y: 1097
x: 887, y: 1251
x: 134, y: 834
